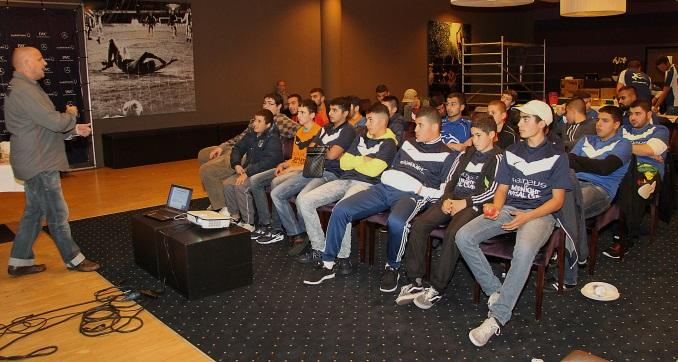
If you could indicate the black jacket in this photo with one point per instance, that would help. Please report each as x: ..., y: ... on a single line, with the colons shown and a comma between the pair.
x: 263, y: 152
x: 485, y: 191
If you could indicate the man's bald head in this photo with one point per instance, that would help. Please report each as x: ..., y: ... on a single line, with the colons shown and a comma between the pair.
x: 29, y: 62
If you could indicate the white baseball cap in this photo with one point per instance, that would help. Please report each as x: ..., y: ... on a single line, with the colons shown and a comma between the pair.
x: 538, y: 108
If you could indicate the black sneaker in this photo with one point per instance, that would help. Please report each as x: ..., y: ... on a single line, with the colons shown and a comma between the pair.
x: 270, y: 236
x: 318, y: 275
x: 389, y: 280
x: 300, y: 244
x: 260, y: 231
x: 313, y: 256
x: 344, y: 266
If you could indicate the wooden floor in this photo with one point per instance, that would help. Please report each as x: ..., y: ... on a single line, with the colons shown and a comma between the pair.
x: 91, y: 193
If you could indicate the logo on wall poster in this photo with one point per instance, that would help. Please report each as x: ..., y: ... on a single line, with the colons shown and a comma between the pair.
x: 66, y: 47
x: 47, y: 82
x: 64, y: 35
x: 67, y: 70
x: 49, y: 59
x: 71, y: 82
x: 43, y: 35
x: 20, y: 45
x: 3, y: 59
x: 65, y: 58
x: 43, y: 46
x: 4, y: 46
x: 69, y: 92
x: 2, y: 71
x: 52, y: 94
x: 48, y: 70
x: 20, y: 35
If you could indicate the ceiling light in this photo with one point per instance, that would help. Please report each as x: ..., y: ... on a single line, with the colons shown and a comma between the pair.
x: 591, y: 8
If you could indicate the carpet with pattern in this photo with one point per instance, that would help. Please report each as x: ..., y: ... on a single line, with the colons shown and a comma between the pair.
x: 348, y: 318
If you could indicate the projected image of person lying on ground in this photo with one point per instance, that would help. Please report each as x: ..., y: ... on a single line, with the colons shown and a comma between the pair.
x: 145, y: 64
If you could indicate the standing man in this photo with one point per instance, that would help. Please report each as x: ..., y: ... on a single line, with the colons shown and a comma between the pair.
x: 669, y: 94
x: 635, y: 77
x: 38, y: 154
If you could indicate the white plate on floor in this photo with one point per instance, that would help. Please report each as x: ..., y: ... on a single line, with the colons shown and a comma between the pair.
x: 600, y: 291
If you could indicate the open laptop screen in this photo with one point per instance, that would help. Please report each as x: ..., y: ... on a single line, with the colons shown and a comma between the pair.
x: 179, y: 197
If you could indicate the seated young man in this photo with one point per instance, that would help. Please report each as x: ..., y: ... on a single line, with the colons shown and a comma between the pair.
x: 509, y: 97
x: 355, y: 118
x: 577, y: 126
x: 362, y: 163
x: 600, y: 162
x: 532, y: 179
x: 396, y: 123
x: 506, y: 135
x: 649, y: 143
x: 270, y: 229
x: 471, y: 185
x: 456, y: 130
x: 322, y: 115
x: 337, y: 136
x: 262, y: 148
x: 215, y: 165
x: 417, y: 176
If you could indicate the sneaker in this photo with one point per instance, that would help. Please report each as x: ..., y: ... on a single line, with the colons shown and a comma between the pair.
x: 492, y: 299
x: 259, y: 231
x: 409, y: 292
x: 319, y: 274
x: 566, y: 287
x: 428, y: 298
x: 270, y: 236
x: 389, y: 280
x: 313, y: 256
x: 484, y: 332
x: 300, y: 243
x: 615, y: 251
x: 344, y: 266
x: 248, y: 227
x: 224, y: 212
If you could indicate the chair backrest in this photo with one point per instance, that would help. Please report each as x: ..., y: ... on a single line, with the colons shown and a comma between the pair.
x: 287, y: 145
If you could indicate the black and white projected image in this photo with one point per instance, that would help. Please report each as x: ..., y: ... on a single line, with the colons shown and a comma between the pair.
x: 140, y: 58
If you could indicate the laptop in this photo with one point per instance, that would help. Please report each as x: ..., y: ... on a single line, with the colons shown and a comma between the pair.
x: 177, y: 203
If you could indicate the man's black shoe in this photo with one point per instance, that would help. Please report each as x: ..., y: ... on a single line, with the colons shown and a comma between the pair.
x: 17, y: 271
x: 312, y: 256
x: 344, y: 266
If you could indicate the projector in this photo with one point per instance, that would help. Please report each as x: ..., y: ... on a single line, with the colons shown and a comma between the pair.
x: 208, y: 219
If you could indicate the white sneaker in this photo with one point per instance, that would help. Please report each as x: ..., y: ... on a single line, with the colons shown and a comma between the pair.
x: 484, y: 332
x: 427, y: 299
x: 408, y: 293
x: 224, y: 212
x: 248, y: 227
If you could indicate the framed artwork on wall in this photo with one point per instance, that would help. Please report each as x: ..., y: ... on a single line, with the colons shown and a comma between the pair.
x: 444, y: 56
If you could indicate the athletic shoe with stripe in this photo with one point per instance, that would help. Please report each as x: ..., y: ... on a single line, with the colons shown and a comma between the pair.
x: 408, y: 293
x: 428, y: 298
x: 319, y: 274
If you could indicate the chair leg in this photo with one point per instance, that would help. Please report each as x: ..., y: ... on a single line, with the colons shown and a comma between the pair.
x: 476, y: 293
x: 372, y: 231
x: 362, y: 242
x: 429, y: 254
x: 561, y: 263
x: 653, y: 222
x: 539, y: 292
x: 593, y: 250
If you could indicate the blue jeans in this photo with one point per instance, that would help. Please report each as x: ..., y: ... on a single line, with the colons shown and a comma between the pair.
x: 291, y: 184
x: 595, y: 200
x: 258, y: 185
x: 44, y: 198
x: 530, y: 237
x: 323, y: 195
x: 404, y: 207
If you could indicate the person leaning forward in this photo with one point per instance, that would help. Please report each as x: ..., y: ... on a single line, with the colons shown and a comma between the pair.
x: 38, y: 154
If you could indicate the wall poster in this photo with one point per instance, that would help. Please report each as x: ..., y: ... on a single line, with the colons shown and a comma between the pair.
x: 444, y: 56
